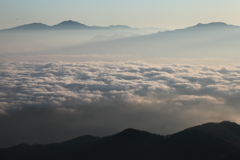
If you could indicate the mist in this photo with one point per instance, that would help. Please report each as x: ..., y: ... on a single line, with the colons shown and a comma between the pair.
x: 209, y: 44
x: 60, y: 84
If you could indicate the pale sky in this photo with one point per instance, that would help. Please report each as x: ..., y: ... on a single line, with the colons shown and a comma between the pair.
x: 169, y: 14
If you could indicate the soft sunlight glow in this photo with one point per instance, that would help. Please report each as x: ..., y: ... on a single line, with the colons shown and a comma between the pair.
x: 135, y: 13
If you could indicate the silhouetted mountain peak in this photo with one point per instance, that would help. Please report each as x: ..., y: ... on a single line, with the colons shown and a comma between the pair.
x: 130, y: 130
x: 35, y: 24
x: 127, y: 132
x: 70, y: 22
x: 32, y: 26
x: 209, y: 27
x: 215, y: 126
x: 225, y: 130
x: 131, y: 133
x: 211, y: 24
x: 70, y: 25
x: 228, y: 123
x: 223, y: 123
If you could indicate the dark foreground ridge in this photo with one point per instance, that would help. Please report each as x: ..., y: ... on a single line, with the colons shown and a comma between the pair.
x: 211, y: 141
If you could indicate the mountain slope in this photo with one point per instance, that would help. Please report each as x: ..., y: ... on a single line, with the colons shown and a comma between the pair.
x: 62, y: 150
x: 70, y: 25
x: 124, y: 145
x: 191, y: 42
x: 29, y: 27
x: 65, y: 25
x: 205, y: 142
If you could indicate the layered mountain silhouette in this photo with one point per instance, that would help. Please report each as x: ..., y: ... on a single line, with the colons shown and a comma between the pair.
x: 197, y: 41
x: 213, y: 24
x: 73, y: 25
x: 216, y: 40
x: 70, y: 25
x: 33, y: 26
x: 65, y: 25
x: 211, y: 141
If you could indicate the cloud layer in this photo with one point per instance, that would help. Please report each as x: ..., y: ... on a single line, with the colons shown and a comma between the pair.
x: 71, y: 99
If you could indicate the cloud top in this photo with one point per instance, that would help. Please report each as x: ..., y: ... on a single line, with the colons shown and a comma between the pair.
x: 97, y: 96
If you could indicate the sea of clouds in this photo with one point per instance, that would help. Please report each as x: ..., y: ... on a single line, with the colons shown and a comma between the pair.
x: 58, y: 101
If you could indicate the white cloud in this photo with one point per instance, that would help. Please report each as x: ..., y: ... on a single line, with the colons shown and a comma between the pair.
x: 86, y: 95
x: 58, y: 83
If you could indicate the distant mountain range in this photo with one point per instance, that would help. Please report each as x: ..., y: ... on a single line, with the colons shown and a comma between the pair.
x: 197, y: 41
x: 216, y: 40
x: 65, y: 25
x: 211, y: 26
x: 72, y: 25
x: 211, y: 141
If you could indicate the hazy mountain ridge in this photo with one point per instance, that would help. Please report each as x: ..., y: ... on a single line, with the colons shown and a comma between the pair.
x: 69, y: 25
x: 32, y: 26
x: 73, y: 25
x: 195, y: 42
x: 213, y: 26
x: 207, y: 141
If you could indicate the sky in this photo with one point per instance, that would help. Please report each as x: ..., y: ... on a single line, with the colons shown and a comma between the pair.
x: 135, y: 13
